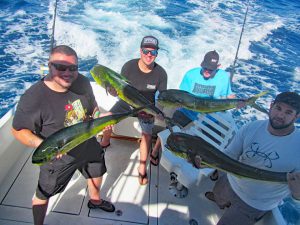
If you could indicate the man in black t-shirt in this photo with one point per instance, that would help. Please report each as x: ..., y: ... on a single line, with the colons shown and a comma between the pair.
x: 63, y: 98
x: 148, y: 77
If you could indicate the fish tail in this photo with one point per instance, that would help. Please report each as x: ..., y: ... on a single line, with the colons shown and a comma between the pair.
x: 261, y: 109
x: 255, y: 97
x: 252, y: 100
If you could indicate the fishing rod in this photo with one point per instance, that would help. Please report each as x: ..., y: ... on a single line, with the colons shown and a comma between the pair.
x: 44, y: 69
x: 53, y: 27
x: 232, y: 69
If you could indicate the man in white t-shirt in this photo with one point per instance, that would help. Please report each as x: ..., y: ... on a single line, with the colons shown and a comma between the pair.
x: 267, y: 144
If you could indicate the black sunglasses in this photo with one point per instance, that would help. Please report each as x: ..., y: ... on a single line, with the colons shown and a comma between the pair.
x: 152, y: 52
x: 208, y: 70
x: 61, y: 67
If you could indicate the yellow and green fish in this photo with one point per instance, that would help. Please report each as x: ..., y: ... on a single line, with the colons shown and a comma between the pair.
x: 188, y: 146
x: 68, y: 138
x: 106, y: 77
x: 184, y: 99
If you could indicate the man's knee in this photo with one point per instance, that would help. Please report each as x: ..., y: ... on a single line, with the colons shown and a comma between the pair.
x: 37, y: 201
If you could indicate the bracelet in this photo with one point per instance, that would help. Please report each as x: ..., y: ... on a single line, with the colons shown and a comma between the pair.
x: 96, y: 114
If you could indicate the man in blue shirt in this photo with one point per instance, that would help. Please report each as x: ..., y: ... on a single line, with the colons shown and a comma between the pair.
x: 205, y: 81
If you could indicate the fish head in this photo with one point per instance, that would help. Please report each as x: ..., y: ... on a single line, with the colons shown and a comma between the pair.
x: 48, y: 150
x: 99, y: 74
x: 44, y: 154
x: 178, y: 145
x: 176, y: 142
x: 162, y: 95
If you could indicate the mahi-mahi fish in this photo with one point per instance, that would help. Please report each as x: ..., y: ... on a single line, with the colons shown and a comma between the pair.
x: 65, y: 139
x: 187, y: 146
x: 184, y: 99
x: 106, y: 77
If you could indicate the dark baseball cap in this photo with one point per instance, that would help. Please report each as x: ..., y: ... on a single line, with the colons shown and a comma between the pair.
x: 149, y: 42
x: 290, y: 98
x: 211, y: 60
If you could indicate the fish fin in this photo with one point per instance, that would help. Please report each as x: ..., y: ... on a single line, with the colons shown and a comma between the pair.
x: 106, y: 87
x: 257, y: 107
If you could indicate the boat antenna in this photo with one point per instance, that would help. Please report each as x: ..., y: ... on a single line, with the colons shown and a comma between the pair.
x: 232, y: 69
x: 53, y: 27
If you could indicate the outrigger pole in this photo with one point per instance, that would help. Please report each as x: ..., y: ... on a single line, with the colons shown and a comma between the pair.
x: 232, y: 70
x: 44, y: 69
x: 53, y: 27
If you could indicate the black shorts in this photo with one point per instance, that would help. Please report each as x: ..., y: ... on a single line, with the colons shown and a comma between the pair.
x: 55, y: 175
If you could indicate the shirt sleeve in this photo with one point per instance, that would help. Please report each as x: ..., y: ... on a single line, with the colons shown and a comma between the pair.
x: 163, y: 81
x: 27, y: 115
x: 124, y: 70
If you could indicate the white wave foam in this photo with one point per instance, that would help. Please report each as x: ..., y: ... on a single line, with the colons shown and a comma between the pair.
x: 297, y: 74
x: 111, y: 31
x: 296, y: 85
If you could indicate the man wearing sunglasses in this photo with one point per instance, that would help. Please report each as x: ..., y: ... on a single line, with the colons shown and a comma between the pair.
x: 206, y: 81
x: 148, y: 77
x: 62, y: 98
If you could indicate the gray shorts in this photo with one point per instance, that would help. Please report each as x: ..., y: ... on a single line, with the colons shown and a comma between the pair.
x: 55, y: 175
x: 146, y: 123
x: 239, y: 212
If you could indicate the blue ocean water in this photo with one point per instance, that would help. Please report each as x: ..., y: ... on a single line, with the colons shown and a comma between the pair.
x: 109, y: 32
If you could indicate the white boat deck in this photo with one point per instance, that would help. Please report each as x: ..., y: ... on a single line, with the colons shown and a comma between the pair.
x: 135, y: 204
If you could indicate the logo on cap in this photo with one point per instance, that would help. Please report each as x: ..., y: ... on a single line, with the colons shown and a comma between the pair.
x: 149, y: 41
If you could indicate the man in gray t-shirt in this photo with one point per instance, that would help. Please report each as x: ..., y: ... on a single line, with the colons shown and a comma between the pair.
x: 265, y: 144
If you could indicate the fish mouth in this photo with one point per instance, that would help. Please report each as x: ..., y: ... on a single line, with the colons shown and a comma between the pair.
x: 38, y: 160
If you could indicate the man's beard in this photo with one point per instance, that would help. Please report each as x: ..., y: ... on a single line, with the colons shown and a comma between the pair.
x: 279, y: 126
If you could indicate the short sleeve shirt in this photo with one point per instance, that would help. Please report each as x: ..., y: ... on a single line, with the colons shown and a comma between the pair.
x: 44, y: 111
